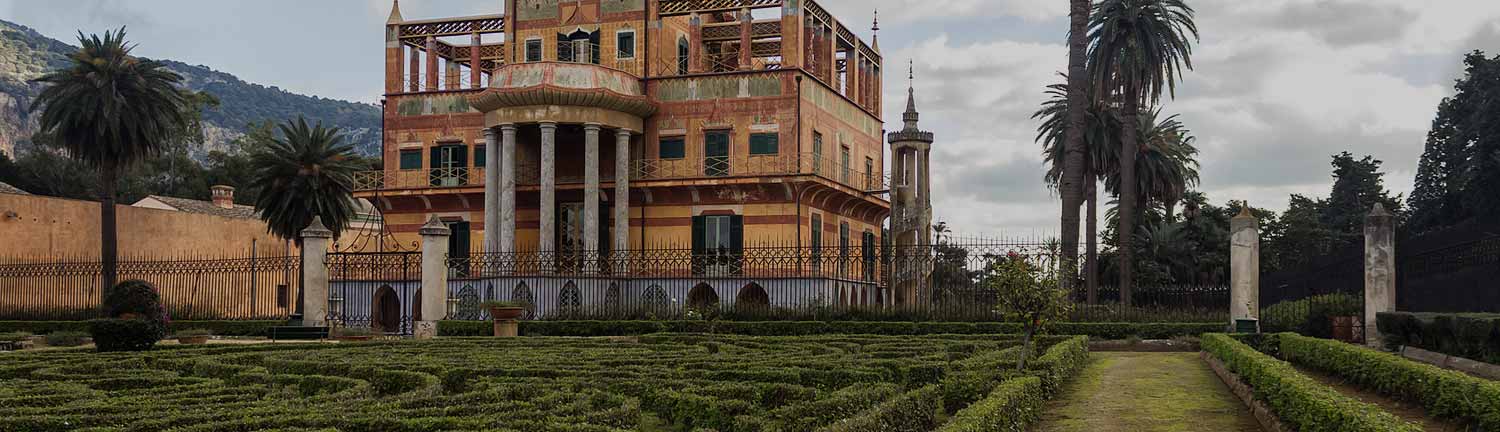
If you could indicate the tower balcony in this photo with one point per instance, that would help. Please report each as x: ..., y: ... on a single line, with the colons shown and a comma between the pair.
x: 577, y: 92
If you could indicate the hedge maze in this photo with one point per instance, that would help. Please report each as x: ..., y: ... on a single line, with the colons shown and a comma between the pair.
x: 664, y: 382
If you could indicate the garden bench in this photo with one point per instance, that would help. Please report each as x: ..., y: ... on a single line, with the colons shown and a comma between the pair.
x: 298, y: 333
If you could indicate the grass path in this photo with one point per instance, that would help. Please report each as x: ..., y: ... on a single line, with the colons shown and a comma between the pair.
x: 1128, y: 391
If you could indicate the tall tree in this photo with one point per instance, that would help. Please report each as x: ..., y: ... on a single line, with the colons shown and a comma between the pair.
x: 1460, y: 166
x: 1357, y: 185
x: 110, y: 109
x: 306, y: 172
x: 1100, y: 128
x: 1072, y: 186
x: 1139, y: 49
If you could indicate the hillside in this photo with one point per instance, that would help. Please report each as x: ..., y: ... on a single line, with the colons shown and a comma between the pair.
x: 26, y: 55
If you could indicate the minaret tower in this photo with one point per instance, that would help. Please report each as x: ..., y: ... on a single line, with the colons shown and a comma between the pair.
x: 911, y: 204
x: 394, y: 53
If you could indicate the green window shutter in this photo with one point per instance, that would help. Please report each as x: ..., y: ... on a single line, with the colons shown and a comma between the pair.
x: 411, y: 160
x: 737, y: 234
x: 479, y: 156
x: 462, y: 158
x: 699, y: 235
x: 672, y: 148
x: 764, y: 144
x: 435, y: 157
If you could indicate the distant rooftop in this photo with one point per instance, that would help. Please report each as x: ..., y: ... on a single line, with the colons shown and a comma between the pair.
x: 197, y: 206
x: 5, y: 188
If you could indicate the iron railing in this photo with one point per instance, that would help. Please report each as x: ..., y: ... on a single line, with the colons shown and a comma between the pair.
x: 646, y: 169
x: 191, y: 288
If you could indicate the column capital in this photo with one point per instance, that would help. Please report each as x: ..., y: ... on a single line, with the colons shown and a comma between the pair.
x: 489, y: 133
x: 507, y: 127
x: 623, y: 132
x: 592, y: 126
x: 548, y: 125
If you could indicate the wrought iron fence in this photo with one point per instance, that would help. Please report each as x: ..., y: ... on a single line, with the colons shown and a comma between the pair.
x: 248, y: 287
x: 380, y: 290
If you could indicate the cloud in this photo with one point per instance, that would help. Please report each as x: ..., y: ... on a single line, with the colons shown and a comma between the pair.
x: 1345, y: 23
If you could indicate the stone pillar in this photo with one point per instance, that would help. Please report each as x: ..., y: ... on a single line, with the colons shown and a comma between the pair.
x: 434, y: 278
x: 450, y: 78
x: 507, y: 170
x: 622, y: 199
x: 746, y: 24
x: 315, y: 239
x: 475, y: 73
x: 491, y: 191
x: 695, y: 44
x: 432, y: 65
x: 1244, y: 267
x: 414, y: 68
x: 591, y: 195
x: 547, y: 233
x: 1380, y: 271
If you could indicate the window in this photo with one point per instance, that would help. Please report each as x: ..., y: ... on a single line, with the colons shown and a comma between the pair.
x: 817, y: 152
x: 479, y: 156
x: 625, y: 44
x: 871, y: 175
x: 844, y: 162
x: 718, y: 243
x: 448, y: 165
x: 682, y: 56
x: 580, y: 47
x: 843, y: 248
x: 817, y: 241
x: 867, y: 249
x: 534, y: 50
x: 764, y: 144
x: 411, y: 159
x: 672, y: 148
x: 716, y: 154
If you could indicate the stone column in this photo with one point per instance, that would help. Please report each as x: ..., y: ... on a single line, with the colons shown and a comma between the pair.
x: 491, y: 191
x: 546, y: 235
x: 414, y: 68
x: 1244, y: 267
x: 432, y: 65
x: 434, y: 278
x: 1380, y: 271
x: 695, y: 44
x: 475, y: 73
x: 746, y: 23
x: 591, y: 195
x: 507, y: 170
x: 315, y: 239
x: 622, y: 199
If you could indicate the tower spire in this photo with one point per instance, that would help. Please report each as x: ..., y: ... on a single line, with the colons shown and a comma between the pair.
x: 875, y: 40
x: 395, y: 13
x: 911, y: 115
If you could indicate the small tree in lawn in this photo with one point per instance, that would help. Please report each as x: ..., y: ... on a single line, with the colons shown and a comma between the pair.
x: 1028, y: 290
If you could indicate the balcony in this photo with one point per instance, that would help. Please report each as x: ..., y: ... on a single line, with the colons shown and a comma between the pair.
x: 528, y: 174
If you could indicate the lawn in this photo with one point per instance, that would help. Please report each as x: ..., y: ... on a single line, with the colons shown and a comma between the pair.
x: 1126, y: 391
x: 656, y: 382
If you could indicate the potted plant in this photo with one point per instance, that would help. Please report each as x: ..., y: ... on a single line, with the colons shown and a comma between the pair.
x: 504, y: 310
x: 194, y: 336
x: 353, y: 334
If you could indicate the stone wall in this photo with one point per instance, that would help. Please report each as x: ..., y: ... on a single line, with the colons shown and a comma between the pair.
x: 37, y: 226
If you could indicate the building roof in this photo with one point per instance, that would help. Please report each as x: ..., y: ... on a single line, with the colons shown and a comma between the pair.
x: 5, y: 188
x: 201, y: 207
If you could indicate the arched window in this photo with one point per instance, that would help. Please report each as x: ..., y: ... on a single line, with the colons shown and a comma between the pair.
x: 682, y: 56
x: 522, y: 294
x: 655, y: 300
x: 702, y: 296
x: 570, y: 301
x: 752, y: 298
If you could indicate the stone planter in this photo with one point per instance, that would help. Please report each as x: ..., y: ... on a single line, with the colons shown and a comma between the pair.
x: 506, y: 313
x: 193, y: 340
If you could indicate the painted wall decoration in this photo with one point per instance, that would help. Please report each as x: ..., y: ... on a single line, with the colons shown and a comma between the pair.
x: 537, y: 9
x: 841, y: 108
x: 706, y: 88
x: 621, y: 6
x: 566, y: 75
x: 433, y: 104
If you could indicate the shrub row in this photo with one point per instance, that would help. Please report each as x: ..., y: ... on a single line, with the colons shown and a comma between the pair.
x: 1310, y: 316
x: 914, y: 411
x: 1444, y: 393
x: 1061, y: 362
x: 1475, y: 337
x: 221, y: 328
x: 1011, y: 407
x: 1300, y: 402
x: 798, y: 328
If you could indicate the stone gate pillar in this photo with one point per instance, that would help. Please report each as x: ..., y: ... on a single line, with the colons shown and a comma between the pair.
x: 315, y: 239
x: 434, y: 278
x: 1244, y: 267
x: 1380, y: 270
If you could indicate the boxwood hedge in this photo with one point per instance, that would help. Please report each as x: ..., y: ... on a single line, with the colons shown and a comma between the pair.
x: 1471, y: 336
x: 1444, y: 393
x: 1297, y: 400
x: 794, y: 328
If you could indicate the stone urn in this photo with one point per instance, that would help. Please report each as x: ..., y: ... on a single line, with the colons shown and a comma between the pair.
x: 506, y: 313
x: 193, y: 340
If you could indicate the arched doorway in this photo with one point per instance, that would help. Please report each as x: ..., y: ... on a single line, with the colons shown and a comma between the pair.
x: 385, y: 310
x: 702, y: 296
x: 752, y: 298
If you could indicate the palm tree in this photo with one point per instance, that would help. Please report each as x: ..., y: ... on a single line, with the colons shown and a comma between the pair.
x: 1166, y: 163
x: 110, y: 110
x: 1073, y: 173
x: 1139, y: 48
x: 1100, y: 126
x: 304, y: 173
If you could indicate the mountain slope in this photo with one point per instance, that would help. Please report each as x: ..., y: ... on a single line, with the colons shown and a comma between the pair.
x: 26, y: 55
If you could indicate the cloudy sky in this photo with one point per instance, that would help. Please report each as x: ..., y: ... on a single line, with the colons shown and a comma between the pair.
x: 1279, y: 85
